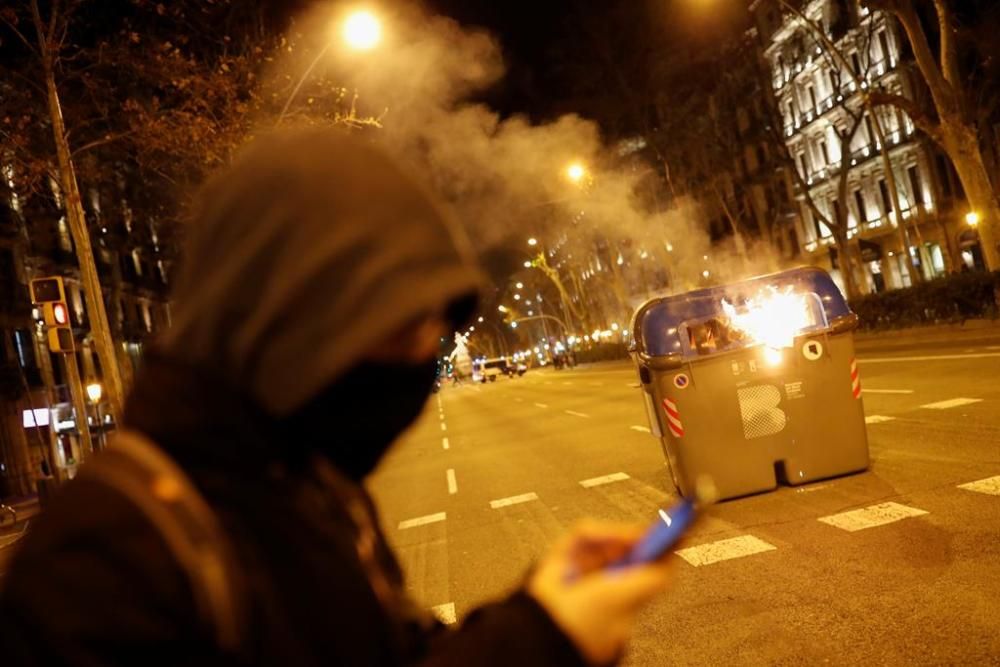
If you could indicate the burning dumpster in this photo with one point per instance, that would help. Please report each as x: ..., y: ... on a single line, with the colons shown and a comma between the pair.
x: 753, y: 383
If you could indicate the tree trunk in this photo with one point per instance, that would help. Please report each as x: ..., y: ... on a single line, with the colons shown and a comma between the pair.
x: 962, y: 146
x: 73, y: 206
x: 846, y: 263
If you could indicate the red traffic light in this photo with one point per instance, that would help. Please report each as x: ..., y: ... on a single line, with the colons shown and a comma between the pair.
x: 59, y: 314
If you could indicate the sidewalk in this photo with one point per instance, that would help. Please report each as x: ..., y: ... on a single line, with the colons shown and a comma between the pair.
x: 969, y: 332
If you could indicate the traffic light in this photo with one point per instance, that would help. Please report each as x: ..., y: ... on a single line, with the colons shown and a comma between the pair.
x: 50, y: 294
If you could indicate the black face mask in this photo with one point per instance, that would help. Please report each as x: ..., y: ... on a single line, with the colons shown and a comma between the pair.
x: 355, y: 420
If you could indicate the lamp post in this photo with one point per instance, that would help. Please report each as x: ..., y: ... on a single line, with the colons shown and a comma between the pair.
x: 94, y: 393
x: 360, y: 31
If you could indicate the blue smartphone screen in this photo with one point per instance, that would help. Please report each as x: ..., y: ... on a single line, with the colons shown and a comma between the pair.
x: 664, y: 534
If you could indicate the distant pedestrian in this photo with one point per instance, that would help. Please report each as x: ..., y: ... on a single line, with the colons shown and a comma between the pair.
x: 229, y: 525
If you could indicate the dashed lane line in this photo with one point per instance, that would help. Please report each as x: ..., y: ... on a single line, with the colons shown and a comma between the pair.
x: 734, y: 547
x: 951, y: 403
x: 870, y: 517
x: 541, y: 405
x: 606, y: 479
x: 878, y: 419
x: 577, y: 414
x: 452, y: 482
x: 444, y: 427
x: 422, y: 520
x: 640, y: 429
x: 445, y: 444
x: 990, y: 485
x: 513, y: 500
x: 445, y: 613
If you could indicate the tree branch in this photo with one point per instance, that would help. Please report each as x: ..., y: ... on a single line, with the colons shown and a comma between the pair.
x: 949, y: 50
x: 928, y: 125
x: 111, y: 138
x: 20, y: 35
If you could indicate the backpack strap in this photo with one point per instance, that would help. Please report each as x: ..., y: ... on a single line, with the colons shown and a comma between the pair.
x: 151, y: 481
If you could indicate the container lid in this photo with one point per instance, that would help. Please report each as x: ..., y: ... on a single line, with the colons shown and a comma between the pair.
x: 701, y: 322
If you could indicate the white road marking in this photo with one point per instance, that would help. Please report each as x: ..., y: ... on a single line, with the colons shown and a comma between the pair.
x: 878, y: 419
x: 633, y: 385
x: 422, y: 520
x: 870, y: 517
x: 441, y: 415
x: 951, y: 403
x: 888, y: 391
x: 518, y: 399
x: 640, y: 429
x: 606, y: 479
x: 541, y: 405
x: 935, y: 357
x: 576, y: 414
x: 444, y: 427
x: 513, y: 500
x: 445, y: 444
x: 990, y: 485
x: 735, y: 547
x: 452, y: 482
x: 810, y: 489
x: 445, y: 613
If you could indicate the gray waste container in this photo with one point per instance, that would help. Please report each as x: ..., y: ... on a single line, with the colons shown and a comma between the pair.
x: 754, y: 383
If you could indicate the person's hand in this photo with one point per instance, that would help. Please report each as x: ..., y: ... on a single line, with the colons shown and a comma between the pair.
x: 594, y: 606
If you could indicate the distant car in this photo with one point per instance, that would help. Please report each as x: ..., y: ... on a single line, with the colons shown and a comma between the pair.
x: 494, y: 368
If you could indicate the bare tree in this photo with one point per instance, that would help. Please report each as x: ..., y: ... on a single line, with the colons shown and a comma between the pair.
x: 953, y: 124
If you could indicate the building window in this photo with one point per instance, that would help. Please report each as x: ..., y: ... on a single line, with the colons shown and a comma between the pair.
x: 869, y: 129
x: 137, y: 262
x: 915, y: 185
x: 886, y: 199
x: 812, y: 97
x: 944, y: 176
x: 883, y: 42
x: 837, y: 212
x: 25, y: 348
x: 65, y: 241
x: 824, y: 151
x: 803, y: 165
x: 856, y: 63
x: 859, y: 202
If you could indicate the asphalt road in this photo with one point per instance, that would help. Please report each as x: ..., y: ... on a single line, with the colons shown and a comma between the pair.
x: 773, y: 579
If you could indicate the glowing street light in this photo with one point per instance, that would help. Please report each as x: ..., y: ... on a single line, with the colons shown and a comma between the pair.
x: 517, y: 297
x: 519, y: 285
x: 362, y: 30
x: 972, y: 218
x: 527, y: 264
x: 480, y: 319
x: 575, y: 172
x: 94, y: 392
x: 532, y: 241
x: 502, y: 309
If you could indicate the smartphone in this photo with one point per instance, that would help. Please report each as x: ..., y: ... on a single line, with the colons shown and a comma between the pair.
x: 670, y: 526
x: 662, y: 535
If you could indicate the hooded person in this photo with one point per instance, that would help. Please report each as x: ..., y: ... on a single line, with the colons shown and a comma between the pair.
x: 317, y: 280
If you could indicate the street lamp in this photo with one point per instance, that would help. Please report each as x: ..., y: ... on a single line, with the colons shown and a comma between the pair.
x: 527, y: 264
x: 972, y: 218
x: 575, y: 172
x: 361, y: 31
x: 532, y: 241
x: 94, y: 393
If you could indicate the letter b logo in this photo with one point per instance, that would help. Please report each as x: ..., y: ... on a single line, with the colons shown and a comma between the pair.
x: 760, y: 411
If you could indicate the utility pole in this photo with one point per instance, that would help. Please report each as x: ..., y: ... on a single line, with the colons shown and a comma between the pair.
x: 73, y: 205
x: 79, y: 404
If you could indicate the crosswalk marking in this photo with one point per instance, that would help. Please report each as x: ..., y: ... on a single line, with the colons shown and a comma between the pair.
x: 444, y: 427
x: 640, y: 429
x: 422, y: 520
x: 577, y: 414
x: 870, y: 517
x: 541, y: 405
x: 606, y: 479
x: 452, y: 482
x: 445, y: 613
x: 444, y: 443
x: 735, y: 547
x: 877, y: 419
x: 951, y: 403
x: 513, y: 500
x: 990, y: 485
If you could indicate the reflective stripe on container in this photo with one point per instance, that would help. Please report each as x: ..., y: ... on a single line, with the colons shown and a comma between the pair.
x: 673, y: 418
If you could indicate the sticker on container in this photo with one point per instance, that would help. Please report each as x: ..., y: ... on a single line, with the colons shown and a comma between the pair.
x: 794, y: 389
x: 681, y: 380
x: 812, y: 350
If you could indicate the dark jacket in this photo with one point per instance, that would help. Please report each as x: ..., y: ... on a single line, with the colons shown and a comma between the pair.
x: 312, y: 247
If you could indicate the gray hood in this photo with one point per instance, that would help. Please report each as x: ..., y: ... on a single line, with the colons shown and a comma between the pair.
x: 310, y: 249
